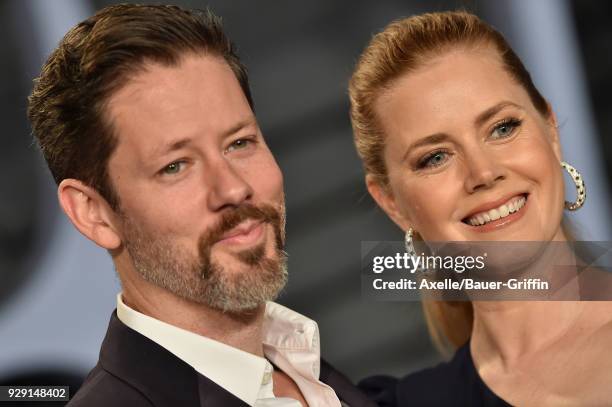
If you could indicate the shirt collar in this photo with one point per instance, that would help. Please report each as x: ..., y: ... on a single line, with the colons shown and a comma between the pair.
x: 286, y: 334
x: 239, y: 372
x: 294, y: 336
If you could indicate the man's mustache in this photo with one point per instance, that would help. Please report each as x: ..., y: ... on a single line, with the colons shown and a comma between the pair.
x: 232, y: 218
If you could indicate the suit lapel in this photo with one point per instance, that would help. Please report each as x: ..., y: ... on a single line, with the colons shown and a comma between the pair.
x: 212, y: 395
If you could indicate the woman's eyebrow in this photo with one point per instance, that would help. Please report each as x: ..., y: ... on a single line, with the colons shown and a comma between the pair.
x: 492, y: 111
x: 431, y: 139
x: 479, y: 121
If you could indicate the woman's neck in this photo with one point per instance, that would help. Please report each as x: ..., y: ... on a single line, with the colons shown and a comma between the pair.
x: 508, y: 332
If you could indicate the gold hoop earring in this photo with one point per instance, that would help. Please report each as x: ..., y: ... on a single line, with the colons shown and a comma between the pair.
x: 580, y: 187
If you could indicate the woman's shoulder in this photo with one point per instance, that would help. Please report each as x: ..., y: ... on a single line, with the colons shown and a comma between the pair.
x: 452, y: 383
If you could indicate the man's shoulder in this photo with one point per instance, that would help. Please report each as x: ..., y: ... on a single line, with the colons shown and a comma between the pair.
x: 102, y: 388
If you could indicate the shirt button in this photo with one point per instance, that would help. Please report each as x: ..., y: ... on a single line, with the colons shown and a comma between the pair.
x: 267, y: 377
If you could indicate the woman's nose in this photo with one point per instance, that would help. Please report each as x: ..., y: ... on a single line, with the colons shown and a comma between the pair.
x: 482, y: 172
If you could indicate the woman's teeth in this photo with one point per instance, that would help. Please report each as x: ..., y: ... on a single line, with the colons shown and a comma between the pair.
x: 513, y: 205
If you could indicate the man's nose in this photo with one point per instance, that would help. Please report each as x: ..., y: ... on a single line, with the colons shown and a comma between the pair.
x: 228, y: 188
x: 483, y: 171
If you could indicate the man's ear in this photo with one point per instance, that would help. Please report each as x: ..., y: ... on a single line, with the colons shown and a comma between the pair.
x: 385, y: 199
x: 554, y: 133
x: 89, y: 213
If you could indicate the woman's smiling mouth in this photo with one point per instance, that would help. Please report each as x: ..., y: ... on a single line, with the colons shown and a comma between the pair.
x: 493, y: 216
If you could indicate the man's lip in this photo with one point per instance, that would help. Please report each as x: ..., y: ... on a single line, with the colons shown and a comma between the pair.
x: 493, y: 204
x: 243, y: 228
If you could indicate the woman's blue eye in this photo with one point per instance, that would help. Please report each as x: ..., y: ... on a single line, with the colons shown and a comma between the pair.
x: 505, y: 128
x: 433, y: 160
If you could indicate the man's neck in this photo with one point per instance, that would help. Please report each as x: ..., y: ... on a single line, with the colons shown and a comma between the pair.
x: 242, y: 331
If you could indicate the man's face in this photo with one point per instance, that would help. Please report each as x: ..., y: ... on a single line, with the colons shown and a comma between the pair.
x: 201, y: 195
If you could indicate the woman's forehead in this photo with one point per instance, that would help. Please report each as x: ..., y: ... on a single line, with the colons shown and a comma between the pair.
x: 455, y: 87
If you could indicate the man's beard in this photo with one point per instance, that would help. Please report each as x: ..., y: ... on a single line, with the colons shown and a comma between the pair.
x: 164, y: 263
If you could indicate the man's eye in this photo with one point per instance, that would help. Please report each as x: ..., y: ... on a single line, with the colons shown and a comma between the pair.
x: 433, y: 160
x: 173, y: 168
x: 505, y: 128
x: 239, y: 144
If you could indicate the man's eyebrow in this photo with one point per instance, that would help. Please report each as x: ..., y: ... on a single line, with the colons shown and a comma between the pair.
x: 479, y: 121
x: 186, y: 141
x: 249, y: 121
x: 173, y: 146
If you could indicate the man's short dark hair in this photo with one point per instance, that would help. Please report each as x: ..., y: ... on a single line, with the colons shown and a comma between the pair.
x: 96, y: 58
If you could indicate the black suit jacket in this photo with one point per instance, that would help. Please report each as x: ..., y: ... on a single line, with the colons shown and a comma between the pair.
x: 134, y: 371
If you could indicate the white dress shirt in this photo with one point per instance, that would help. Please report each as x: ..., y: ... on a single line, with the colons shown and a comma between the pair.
x: 290, y: 341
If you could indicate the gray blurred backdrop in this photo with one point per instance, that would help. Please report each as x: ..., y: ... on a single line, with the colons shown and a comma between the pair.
x: 57, y: 289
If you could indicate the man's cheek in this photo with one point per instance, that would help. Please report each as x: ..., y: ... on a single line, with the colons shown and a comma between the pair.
x: 269, y: 185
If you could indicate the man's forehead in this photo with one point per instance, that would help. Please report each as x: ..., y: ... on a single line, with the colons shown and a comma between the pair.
x: 198, y: 96
x: 160, y: 86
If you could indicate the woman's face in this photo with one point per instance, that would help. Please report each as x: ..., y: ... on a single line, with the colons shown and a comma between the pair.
x: 468, y: 155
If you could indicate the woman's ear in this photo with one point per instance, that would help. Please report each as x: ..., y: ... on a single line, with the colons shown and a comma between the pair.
x: 89, y: 213
x: 385, y: 199
x: 554, y: 133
